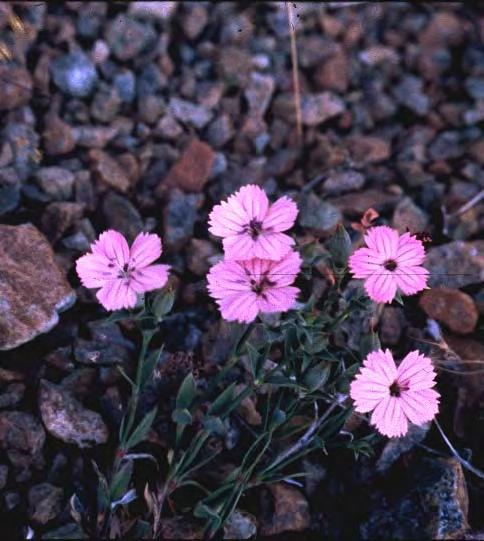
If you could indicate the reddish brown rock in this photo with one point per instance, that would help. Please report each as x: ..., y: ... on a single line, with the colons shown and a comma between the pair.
x: 453, y: 307
x: 58, y: 136
x: 108, y: 170
x: 191, y: 171
x: 358, y: 203
x: 333, y: 74
x: 15, y: 87
x: 201, y: 255
x: 290, y: 514
x: 32, y: 288
x: 369, y: 149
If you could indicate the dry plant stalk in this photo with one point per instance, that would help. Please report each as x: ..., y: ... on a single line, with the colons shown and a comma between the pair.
x: 295, y: 74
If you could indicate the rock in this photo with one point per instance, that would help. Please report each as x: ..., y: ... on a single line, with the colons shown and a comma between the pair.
x: 23, y: 437
x: 234, y: 65
x: 290, y: 514
x: 319, y: 216
x: 93, y: 136
x: 446, y: 146
x: 12, y: 396
x: 366, y: 149
x: 59, y: 217
x: 201, y: 255
x: 58, y: 136
x: 409, y: 92
x: 168, y: 127
x: 80, y: 383
x: 317, y: 108
x: 24, y: 141
x: 45, y: 502
x: 108, y: 170
x: 15, y: 87
x: 240, y: 525
x: 190, y: 113
x: 259, y: 93
x: 358, y: 203
x: 454, y: 308
x: 378, y: 54
x: 153, y: 10
x: 220, y: 131
x: 122, y: 216
x: 475, y: 87
x: 333, y: 73
x: 3, y: 476
x: 128, y: 37
x: 180, y: 215
x: 408, y: 215
x: 194, y: 21
x: 125, y: 85
x: 56, y: 182
x: 391, y: 324
x: 105, y: 105
x: 9, y: 190
x: 434, y: 504
x: 395, y: 447
x: 74, y: 74
x: 456, y: 264
x: 180, y: 528
x: 191, y: 171
x: 67, y: 419
x: 26, y: 264
x: 343, y: 181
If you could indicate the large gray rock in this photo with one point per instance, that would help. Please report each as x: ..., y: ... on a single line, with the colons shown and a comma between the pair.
x: 32, y: 287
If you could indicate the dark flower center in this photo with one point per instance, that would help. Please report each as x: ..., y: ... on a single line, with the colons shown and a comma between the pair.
x: 254, y: 228
x: 258, y: 287
x: 390, y: 265
x: 397, y: 388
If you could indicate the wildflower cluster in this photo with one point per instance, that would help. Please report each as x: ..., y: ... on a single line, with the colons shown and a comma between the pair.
x: 260, y: 264
x: 305, y: 398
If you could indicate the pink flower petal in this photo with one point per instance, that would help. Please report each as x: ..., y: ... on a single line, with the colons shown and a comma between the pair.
x: 383, y: 240
x: 278, y: 300
x: 284, y: 272
x: 389, y: 418
x: 365, y: 262
x: 146, y: 248
x: 112, y: 245
x: 95, y: 269
x: 411, y: 251
x: 272, y: 245
x: 149, y: 278
x: 116, y: 294
x: 282, y: 215
x: 381, y: 287
x: 411, y: 280
x: 241, y: 307
x: 253, y: 200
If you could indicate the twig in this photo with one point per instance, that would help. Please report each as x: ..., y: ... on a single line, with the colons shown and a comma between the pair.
x: 452, y: 449
x: 295, y: 73
x: 471, y: 203
x: 307, y: 436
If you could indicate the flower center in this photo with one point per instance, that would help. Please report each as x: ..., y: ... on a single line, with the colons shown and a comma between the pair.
x: 254, y: 228
x: 258, y: 287
x: 396, y: 388
x: 125, y: 272
x: 390, y: 265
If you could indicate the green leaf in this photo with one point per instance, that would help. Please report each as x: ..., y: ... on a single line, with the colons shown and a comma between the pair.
x: 316, y: 376
x: 339, y: 245
x: 187, y: 392
x: 214, y: 424
x: 163, y: 303
x: 68, y: 531
x: 181, y: 417
x: 398, y: 298
x: 141, y: 431
x: 368, y: 343
x: 121, y: 480
x: 278, y: 417
x: 222, y: 403
x: 149, y: 366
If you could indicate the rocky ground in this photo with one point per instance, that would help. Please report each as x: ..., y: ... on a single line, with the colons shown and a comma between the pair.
x: 141, y: 117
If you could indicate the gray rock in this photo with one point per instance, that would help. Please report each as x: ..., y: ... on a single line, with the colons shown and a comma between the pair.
x: 125, y: 84
x: 179, y: 218
x: 27, y: 306
x: 122, y: 216
x: 409, y: 92
x: 24, y: 142
x: 408, y: 215
x: 3, y: 476
x: 240, y: 525
x: 67, y: 419
x: 475, y: 87
x: 343, y: 181
x: 446, y: 146
x: 128, y: 37
x: 317, y: 215
x: 74, y: 74
x: 56, y: 182
x: 432, y: 505
x: 456, y: 264
x: 190, y: 113
x: 9, y: 190
x: 23, y: 437
x: 317, y: 108
x: 45, y: 502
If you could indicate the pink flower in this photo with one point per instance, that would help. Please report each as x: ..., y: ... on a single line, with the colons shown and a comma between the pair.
x: 390, y: 262
x: 242, y: 289
x: 396, y: 396
x: 121, y: 272
x: 251, y: 227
